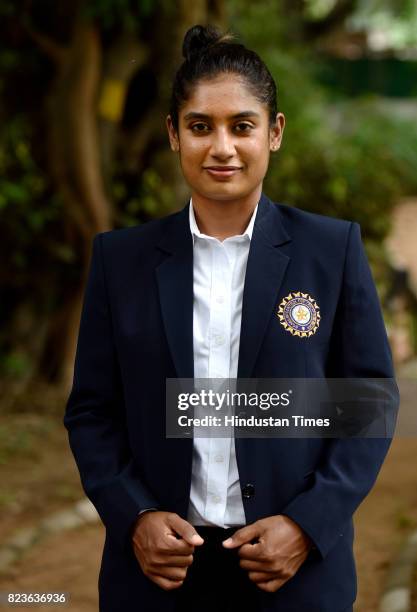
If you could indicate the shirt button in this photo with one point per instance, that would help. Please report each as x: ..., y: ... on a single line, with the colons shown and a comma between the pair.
x: 219, y: 340
x: 220, y: 299
x: 219, y: 458
x: 216, y: 499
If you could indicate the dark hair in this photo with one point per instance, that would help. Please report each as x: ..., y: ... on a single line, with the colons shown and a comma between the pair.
x: 208, y: 53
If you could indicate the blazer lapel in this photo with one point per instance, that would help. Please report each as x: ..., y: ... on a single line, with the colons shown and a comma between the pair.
x: 175, y: 282
x: 264, y: 275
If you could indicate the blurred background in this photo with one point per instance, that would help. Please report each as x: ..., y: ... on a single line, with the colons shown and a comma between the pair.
x: 84, y: 92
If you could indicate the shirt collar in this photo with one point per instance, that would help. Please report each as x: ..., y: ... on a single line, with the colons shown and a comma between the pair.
x: 196, y: 232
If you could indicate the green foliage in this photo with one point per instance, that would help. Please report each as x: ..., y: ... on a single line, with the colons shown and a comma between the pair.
x: 394, y: 23
x: 317, y: 9
x: 37, y: 262
x: 150, y: 197
x: 346, y: 158
x: 354, y: 164
x: 123, y: 13
x: 27, y: 209
x: 16, y: 161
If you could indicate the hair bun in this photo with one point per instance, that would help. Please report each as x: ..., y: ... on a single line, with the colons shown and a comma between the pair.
x: 198, y: 38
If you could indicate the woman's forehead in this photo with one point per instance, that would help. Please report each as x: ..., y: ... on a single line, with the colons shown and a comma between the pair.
x: 227, y: 95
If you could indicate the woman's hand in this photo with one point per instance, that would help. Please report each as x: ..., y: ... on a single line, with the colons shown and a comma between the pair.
x: 282, y: 547
x: 164, y: 544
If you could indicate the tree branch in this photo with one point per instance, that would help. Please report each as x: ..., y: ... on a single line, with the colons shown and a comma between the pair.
x: 47, y: 45
x: 341, y: 10
x: 51, y: 48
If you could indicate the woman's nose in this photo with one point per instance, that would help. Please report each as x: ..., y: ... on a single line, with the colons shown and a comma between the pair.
x: 222, y: 143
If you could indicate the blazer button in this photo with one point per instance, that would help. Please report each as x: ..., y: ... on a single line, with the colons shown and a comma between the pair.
x: 248, y: 491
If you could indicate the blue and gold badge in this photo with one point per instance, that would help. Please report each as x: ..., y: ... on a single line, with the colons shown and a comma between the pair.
x: 299, y: 314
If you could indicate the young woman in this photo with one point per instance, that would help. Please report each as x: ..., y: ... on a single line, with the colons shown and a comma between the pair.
x: 233, y: 285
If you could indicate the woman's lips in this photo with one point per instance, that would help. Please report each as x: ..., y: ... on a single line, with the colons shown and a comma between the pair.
x: 222, y: 173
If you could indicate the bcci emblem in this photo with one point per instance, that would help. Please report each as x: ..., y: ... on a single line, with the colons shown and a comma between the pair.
x: 299, y: 314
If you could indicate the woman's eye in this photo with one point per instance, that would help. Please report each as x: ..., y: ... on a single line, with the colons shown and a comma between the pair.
x: 199, y: 127
x: 244, y: 127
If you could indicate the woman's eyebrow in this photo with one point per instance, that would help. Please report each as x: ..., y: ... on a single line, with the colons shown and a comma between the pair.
x: 247, y: 113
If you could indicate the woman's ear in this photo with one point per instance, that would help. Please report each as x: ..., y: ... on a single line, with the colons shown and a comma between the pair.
x: 172, y: 134
x: 276, y: 132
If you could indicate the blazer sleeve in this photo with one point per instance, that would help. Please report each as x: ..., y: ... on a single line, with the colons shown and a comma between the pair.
x: 95, y: 415
x: 359, y: 349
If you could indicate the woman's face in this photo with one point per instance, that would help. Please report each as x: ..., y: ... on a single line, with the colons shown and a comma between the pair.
x: 223, y: 125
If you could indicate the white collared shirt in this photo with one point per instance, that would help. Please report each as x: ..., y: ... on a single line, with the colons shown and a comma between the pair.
x: 219, y: 276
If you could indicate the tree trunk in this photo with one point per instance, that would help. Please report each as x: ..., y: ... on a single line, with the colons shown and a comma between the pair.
x: 74, y: 161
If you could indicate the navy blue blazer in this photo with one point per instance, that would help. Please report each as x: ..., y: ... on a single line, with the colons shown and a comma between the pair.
x: 136, y: 330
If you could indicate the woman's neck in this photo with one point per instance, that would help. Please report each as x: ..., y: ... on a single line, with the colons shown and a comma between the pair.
x: 224, y: 218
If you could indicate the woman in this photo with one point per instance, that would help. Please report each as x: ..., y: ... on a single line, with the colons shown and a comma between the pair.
x: 233, y: 285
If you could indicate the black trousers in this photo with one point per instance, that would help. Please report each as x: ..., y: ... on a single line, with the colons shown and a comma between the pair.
x: 215, y: 582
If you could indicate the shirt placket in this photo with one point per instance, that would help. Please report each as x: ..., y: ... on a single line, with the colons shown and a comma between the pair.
x: 219, y: 367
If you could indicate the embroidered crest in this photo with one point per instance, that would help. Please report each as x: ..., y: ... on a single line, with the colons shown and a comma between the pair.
x: 299, y: 314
